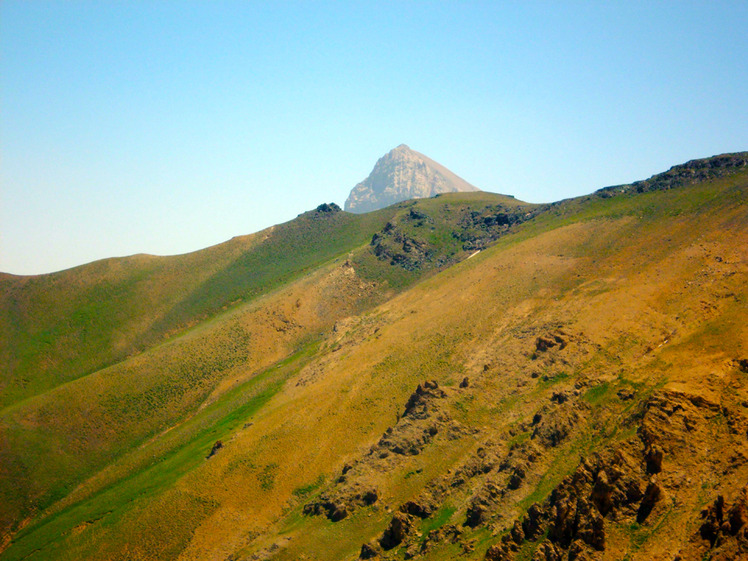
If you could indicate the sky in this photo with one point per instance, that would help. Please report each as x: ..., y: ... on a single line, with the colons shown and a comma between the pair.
x: 165, y: 127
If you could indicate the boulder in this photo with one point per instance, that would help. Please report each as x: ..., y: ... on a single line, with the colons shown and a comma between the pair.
x: 399, y: 527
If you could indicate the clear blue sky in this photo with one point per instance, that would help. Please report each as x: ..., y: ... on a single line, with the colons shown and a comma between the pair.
x: 168, y: 126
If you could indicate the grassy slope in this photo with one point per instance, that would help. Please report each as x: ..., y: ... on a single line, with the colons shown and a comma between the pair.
x: 616, y: 274
x: 612, y: 271
x: 625, y: 274
x: 85, y: 423
x: 61, y: 326
x: 58, y: 327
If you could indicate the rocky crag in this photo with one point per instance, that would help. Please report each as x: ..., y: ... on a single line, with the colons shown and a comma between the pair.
x: 400, y: 175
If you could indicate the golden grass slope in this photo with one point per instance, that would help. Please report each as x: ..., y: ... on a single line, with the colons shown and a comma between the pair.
x: 646, y: 302
x: 645, y: 292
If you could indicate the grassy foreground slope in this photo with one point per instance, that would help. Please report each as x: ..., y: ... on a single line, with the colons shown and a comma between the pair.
x: 587, y: 371
x: 190, y: 329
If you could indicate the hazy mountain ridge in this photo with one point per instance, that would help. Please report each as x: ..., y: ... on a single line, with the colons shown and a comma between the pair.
x: 577, y: 389
x: 400, y: 175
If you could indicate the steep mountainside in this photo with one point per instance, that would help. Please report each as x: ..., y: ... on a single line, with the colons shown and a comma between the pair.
x: 400, y: 175
x: 467, y: 376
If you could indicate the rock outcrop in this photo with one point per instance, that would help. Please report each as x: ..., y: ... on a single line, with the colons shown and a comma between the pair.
x: 415, y: 241
x: 630, y: 484
x: 691, y: 172
x: 400, y: 175
x: 423, y: 419
x: 725, y: 528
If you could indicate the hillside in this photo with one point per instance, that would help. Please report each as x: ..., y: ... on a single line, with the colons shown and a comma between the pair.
x: 400, y: 175
x: 65, y: 325
x: 83, y: 400
x: 465, y: 376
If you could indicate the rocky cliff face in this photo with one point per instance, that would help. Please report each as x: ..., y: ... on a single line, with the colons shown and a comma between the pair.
x: 403, y: 174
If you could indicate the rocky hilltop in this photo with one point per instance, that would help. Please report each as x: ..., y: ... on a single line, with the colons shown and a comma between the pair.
x: 400, y: 175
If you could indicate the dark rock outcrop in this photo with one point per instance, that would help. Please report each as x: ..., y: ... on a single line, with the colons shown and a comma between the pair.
x: 338, y: 504
x: 626, y: 484
x: 725, y: 528
x: 408, y: 239
x: 369, y: 551
x: 419, y: 508
x: 393, y: 244
x: 214, y: 450
x: 573, y: 517
x: 328, y: 207
x: 555, y: 422
x: 550, y: 340
x: 423, y: 419
x: 399, y: 527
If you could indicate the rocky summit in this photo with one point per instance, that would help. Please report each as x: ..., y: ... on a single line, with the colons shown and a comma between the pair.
x: 400, y: 175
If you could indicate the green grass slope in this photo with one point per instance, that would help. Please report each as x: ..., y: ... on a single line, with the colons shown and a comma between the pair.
x: 61, y: 326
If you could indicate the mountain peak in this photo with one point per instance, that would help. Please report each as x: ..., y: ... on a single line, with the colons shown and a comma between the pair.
x: 403, y: 174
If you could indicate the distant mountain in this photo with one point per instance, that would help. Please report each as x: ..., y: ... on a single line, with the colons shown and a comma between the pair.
x: 400, y: 175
